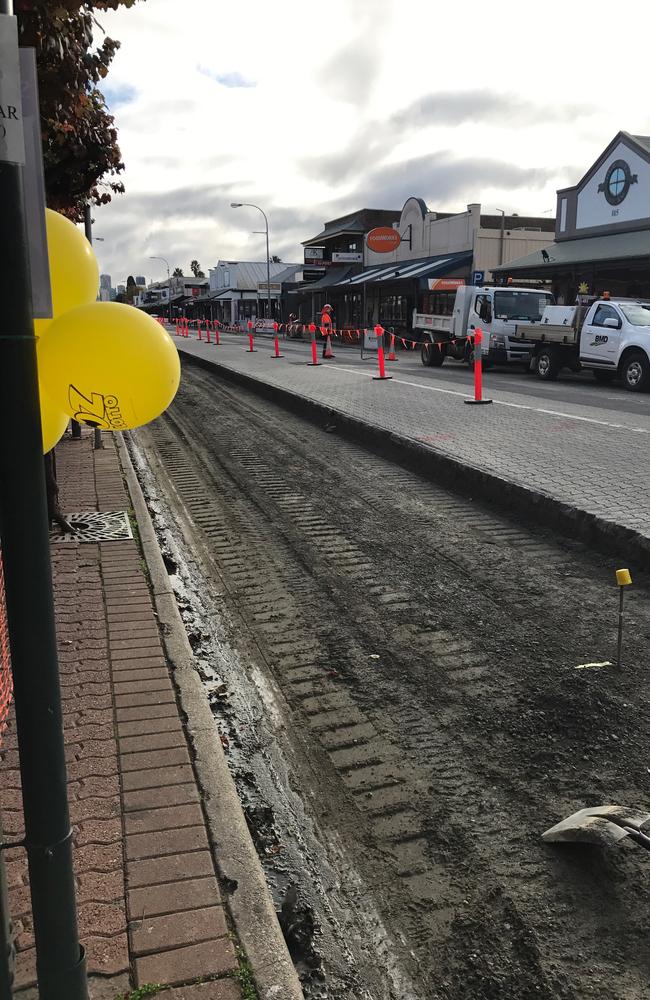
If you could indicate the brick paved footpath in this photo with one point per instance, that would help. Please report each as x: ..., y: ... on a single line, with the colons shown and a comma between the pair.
x: 150, y: 909
x: 593, y: 459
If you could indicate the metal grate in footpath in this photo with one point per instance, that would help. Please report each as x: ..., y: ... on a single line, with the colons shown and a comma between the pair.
x: 6, y: 686
x: 94, y: 526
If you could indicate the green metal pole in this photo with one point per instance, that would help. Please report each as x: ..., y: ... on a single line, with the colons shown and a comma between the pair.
x: 30, y: 615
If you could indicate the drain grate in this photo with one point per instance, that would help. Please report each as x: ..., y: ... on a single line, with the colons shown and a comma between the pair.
x: 92, y: 526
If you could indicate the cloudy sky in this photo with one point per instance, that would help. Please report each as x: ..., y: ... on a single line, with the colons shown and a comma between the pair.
x: 314, y: 109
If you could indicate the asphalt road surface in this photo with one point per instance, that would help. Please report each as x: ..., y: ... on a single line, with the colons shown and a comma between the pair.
x: 405, y: 708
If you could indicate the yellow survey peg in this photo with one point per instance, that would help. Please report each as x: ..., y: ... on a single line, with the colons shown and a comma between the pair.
x: 623, y: 580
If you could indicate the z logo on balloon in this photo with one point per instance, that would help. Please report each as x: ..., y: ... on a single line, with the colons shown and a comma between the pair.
x: 96, y: 410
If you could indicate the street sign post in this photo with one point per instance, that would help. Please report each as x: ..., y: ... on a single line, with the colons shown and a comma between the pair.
x: 60, y: 960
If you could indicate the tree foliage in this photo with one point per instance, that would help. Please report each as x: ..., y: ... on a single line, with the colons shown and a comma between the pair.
x: 81, y: 155
x: 177, y: 272
x: 195, y: 268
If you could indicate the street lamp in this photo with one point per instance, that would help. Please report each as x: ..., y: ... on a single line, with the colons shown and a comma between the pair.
x: 248, y: 204
x: 169, y: 285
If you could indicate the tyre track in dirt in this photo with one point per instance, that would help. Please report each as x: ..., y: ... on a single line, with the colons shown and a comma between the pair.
x: 471, y: 732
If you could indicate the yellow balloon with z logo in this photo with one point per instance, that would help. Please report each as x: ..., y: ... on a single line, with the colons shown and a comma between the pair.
x: 108, y: 365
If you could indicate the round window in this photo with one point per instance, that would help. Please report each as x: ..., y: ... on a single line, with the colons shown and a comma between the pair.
x: 617, y: 182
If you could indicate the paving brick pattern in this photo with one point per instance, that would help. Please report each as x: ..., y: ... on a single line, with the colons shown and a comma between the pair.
x: 596, y: 460
x: 149, y: 903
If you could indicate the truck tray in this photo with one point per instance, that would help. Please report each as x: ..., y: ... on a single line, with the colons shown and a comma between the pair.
x: 546, y: 333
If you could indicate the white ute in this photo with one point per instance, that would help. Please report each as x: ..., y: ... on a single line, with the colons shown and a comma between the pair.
x: 610, y: 337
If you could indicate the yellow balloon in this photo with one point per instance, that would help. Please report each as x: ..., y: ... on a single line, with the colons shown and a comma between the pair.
x: 53, y: 421
x: 109, y: 365
x: 74, y: 273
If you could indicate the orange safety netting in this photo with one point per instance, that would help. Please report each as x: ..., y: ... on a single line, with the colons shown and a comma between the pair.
x: 6, y: 686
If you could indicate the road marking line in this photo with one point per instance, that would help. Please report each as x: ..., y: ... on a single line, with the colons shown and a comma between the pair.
x: 502, y: 402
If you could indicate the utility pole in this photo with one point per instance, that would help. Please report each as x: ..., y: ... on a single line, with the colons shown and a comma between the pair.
x: 502, y: 235
x: 60, y: 960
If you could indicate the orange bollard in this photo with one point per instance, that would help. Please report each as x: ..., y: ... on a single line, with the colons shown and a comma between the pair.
x: 314, y: 363
x: 216, y: 332
x: 276, y: 343
x: 478, y: 371
x: 207, y: 330
x: 379, y: 333
x: 198, y: 328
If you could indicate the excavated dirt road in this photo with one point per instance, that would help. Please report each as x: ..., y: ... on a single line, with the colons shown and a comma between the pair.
x: 393, y: 670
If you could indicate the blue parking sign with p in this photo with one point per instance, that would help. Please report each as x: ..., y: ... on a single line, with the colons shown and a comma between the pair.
x: 478, y: 277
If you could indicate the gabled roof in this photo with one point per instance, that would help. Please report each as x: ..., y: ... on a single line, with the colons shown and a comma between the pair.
x: 640, y: 143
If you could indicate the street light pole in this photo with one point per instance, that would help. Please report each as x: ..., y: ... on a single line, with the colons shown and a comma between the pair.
x: 248, y: 204
x: 169, y: 285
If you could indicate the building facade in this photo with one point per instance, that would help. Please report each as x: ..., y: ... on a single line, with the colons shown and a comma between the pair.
x: 433, y: 253
x: 602, y: 233
x: 238, y: 290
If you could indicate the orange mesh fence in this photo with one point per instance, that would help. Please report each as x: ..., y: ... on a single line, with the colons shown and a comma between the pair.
x: 5, y: 662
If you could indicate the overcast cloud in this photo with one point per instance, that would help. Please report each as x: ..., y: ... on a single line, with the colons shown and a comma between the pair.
x: 314, y: 112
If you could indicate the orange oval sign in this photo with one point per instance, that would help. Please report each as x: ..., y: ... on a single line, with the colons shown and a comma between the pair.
x: 383, y: 239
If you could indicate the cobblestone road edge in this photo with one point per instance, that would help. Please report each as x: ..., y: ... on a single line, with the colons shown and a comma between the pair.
x: 250, y: 905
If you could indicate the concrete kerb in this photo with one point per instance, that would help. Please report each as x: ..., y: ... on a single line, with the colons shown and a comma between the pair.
x: 527, y: 504
x: 250, y: 904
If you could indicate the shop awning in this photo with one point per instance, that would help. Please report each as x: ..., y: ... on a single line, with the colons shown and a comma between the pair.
x: 592, y: 250
x: 426, y: 267
x: 334, y: 276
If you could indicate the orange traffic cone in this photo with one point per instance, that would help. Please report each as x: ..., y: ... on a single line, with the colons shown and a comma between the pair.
x: 391, y: 353
x: 328, y: 352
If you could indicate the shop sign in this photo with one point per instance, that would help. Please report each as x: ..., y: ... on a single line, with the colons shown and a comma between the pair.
x: 445, y: 284
x: 347, y: 258
x: 12, y: 144
x: 383, y: 239
x: 314, y: 255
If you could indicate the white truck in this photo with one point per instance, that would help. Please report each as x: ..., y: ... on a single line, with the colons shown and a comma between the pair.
x: 496, y: 310
x: 610, y: 337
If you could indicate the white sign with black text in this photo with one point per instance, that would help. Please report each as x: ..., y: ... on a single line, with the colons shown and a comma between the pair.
x: 12, y: 144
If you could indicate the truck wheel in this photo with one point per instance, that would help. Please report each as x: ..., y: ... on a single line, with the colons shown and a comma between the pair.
x: 604, y: 377
x: 432, y: 355
x: 635, y: 371
x: 548, y: 364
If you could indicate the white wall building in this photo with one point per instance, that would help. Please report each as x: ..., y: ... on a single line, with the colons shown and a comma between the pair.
x: 238, y: 289
x: 493, y: 239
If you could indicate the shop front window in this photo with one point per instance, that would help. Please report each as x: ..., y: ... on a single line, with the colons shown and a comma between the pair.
x: 393, y: 309
x: 438, y: 303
